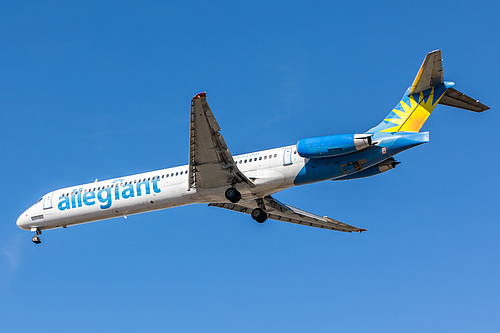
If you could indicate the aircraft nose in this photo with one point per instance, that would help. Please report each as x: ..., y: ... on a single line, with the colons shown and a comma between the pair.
x: 23, y: 221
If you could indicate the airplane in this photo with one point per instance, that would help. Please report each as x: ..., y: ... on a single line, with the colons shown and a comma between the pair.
x: 246, y: 183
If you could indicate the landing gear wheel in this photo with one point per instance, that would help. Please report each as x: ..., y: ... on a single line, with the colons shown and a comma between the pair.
x: 36, y: 240
x: 233, y: 195
x: 259, y: 215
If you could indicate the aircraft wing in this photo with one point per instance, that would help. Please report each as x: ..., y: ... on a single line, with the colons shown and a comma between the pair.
x: 210, y: 162
x: 281, y: 212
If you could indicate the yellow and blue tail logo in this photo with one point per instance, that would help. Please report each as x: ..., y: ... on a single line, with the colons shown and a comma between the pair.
x: 428, y: 90
x: 410, y: 114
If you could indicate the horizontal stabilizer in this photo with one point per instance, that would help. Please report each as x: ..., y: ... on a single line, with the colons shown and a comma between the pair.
x: 455, y: 98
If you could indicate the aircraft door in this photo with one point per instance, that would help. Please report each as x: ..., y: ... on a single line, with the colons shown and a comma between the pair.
x: 47, y: 201
x: 287, y: 156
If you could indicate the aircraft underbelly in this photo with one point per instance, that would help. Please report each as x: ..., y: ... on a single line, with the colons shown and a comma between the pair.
x: 320, y: 169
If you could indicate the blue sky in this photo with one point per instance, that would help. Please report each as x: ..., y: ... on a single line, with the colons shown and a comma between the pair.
x: 102, y: 89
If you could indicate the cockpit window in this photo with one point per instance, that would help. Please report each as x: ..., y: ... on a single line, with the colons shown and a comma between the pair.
x: 39, y: 200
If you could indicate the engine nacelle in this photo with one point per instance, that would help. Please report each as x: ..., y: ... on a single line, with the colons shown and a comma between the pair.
x: 333, y: 145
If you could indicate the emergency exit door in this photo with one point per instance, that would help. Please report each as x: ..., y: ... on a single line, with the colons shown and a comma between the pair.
x: 287, y: 156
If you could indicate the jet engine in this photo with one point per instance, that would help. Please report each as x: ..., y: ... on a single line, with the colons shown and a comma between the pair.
x: 333, y: 145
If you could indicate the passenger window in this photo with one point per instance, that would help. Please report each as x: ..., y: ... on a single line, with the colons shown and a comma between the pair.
x: 265, y: 157
x: 275, y: 155
x: 270, y: 156
x: 181, y: 172
x: 245, y: 161
x: 260, y: 158
x: 176, y: 173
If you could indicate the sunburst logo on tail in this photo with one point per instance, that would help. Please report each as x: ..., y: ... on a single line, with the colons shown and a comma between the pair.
x: 412, y: 111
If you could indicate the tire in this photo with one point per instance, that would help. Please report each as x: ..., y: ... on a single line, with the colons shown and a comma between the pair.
x: 233, y: 195
x: 259, y: 215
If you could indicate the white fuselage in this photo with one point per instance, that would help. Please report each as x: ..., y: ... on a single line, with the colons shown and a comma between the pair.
x: 271, y: 171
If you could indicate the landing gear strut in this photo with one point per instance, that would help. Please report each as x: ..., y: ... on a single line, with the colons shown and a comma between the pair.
x: 35, y: 238
x: 259, y: 215
x: 233, y: 195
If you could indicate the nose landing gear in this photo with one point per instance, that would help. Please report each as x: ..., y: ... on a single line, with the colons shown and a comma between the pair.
x: 35, y: 238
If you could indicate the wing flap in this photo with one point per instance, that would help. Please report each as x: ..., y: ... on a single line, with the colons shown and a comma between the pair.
x: 281, y: 212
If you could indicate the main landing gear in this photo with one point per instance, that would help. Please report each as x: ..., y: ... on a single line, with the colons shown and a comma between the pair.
x: 35, y: 238
x: 233, y: 195
x: 259, y: 215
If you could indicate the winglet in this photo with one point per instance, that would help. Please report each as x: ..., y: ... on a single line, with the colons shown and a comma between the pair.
x: 361, y: 230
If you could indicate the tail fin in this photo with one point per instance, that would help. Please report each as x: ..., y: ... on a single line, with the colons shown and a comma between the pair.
x: 427, y: 90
